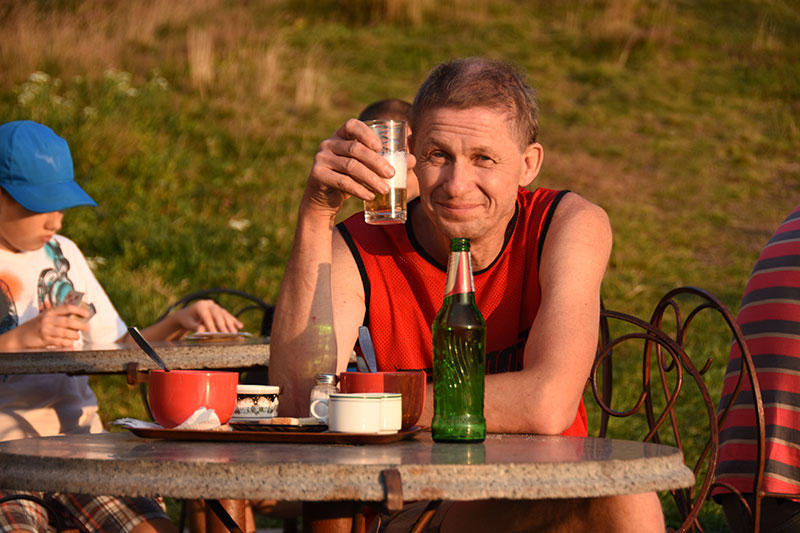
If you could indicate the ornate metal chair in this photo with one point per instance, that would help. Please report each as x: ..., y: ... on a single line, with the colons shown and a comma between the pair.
x: 673, y: 365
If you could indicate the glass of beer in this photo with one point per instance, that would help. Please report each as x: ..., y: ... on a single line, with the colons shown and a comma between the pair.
x: 390, y: 208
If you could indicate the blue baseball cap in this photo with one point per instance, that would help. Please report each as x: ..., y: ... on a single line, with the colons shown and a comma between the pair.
x: 36, y: 168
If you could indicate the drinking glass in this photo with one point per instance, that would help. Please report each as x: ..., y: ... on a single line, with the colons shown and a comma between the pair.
x: 390, y: 208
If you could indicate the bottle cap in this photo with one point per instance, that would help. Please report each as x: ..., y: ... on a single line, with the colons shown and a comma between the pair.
x: 326, y: 378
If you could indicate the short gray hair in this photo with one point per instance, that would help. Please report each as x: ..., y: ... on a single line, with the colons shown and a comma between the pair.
x: 479, y: 82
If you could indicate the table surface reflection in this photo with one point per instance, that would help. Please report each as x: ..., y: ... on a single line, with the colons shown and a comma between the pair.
x: 504, y: 466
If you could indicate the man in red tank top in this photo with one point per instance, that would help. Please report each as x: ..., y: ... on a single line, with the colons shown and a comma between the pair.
x: 538, y: 257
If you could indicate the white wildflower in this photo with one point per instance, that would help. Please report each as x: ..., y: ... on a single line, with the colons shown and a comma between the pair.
x: 239, y: 224
x: 121, y: 82
x: 39, y: 77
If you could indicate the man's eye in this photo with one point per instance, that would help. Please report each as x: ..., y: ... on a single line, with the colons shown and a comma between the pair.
x: 485, y: 158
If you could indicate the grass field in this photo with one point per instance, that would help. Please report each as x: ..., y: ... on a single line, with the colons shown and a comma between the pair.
x: 194, y: 124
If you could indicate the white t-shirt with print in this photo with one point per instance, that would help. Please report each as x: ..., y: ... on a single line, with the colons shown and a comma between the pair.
x: 50, y: 404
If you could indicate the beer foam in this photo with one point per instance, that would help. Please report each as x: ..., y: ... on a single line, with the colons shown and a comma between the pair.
x: 398, y: 161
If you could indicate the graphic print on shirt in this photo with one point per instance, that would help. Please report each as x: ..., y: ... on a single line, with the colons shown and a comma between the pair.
x: 8, y: 310
x: 54, y: 284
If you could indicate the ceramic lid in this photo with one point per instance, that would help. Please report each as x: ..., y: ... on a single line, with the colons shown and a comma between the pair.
x: 257, y: 389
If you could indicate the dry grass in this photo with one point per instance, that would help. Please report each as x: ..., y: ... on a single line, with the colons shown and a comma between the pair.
x: 269, y: 70
x: 230, y: 56
x: 630, y: 23
x: 200, y: 51
x: 94, y: 36
x: 765, y: 39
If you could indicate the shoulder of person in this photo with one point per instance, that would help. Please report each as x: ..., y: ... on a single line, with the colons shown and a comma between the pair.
x: 575, y: 209
x: 66, y: 243
x: 71, y: 251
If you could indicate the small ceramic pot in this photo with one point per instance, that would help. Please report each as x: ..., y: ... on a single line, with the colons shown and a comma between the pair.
x: 255, y: 402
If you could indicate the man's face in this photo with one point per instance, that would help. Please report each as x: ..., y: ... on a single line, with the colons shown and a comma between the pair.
x: 22, y: 230
x: 469, y: 168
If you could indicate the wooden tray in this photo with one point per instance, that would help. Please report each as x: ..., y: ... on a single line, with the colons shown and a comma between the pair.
x: 300, y: 437
x: 242, y: 425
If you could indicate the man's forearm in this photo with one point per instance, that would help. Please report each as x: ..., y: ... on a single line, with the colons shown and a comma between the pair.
x: 516, y: 402
x: 303, y: 341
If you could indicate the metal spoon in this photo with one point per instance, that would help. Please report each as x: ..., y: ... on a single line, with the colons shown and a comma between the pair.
x: 144, y: 345
x: 365, y: 341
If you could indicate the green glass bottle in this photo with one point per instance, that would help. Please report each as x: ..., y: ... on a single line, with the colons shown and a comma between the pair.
x: 459, y: 355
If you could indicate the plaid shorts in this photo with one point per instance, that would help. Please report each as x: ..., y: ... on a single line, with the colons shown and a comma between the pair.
x: 76, y: 511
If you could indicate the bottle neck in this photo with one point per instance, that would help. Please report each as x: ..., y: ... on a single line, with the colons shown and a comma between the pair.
x: 459, y: 274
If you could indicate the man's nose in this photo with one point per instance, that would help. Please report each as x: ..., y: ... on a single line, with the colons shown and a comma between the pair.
x: 459, y: 179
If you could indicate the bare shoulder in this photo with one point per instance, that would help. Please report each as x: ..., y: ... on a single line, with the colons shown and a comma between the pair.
x: 579, y: 228
x: 575, y: 208
x: 575, y: 214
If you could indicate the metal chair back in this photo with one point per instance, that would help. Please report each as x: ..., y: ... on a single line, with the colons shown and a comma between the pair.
x: 664, y: 352
x: 240, y: 303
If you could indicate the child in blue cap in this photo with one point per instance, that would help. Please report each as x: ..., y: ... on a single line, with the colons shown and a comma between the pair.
x: 49, y: 297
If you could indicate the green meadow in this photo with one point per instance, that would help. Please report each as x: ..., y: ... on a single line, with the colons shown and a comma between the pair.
x: 194, y: 124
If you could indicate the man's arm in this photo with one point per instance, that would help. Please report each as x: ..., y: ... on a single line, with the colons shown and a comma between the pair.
x: 543, y: 397
x: 561, y: 346
x: 319, y: 279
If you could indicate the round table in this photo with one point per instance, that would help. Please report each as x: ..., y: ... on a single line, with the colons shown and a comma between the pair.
x: 519, y: 467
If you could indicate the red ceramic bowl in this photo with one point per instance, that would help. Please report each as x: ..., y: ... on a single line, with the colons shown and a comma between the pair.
x: 411, y: 385
x: 175, y: 395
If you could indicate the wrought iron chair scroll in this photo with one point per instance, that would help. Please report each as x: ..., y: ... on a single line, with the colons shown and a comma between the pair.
x: 675, y: 370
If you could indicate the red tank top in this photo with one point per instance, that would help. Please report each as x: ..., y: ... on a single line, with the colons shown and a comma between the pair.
x: 396, y: 270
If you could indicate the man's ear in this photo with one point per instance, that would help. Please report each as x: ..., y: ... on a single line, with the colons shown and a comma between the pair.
x: 532, y: 159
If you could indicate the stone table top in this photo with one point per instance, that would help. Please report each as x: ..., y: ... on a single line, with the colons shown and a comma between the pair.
x: 113, y: 358
x: 504, y: 466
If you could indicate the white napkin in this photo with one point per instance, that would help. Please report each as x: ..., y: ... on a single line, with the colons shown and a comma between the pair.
x: 202, y: 419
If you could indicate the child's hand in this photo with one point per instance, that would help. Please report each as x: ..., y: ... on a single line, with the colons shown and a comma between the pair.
x: 58, y: 326
x: 207, y: 315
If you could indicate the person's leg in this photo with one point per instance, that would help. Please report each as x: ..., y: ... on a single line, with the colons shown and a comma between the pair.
x: 778, y: 515
x: 196, y: 514
x: 117, y: 514
x: 736, y: 514
x: 23, y: 515
x: 634, y: 513
x: 158, y: 525
x: 627, y: 513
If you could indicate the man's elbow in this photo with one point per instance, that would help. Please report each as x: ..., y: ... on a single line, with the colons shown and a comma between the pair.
x: 549, y: 421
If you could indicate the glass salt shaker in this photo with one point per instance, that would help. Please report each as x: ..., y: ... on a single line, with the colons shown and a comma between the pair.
x: 325, y: 385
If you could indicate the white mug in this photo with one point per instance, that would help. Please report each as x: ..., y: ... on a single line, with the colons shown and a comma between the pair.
x: 391, y: 411
x: 360, y: 412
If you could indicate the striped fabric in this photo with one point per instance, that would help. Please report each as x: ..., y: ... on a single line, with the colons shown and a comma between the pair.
x: 770, y: 320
